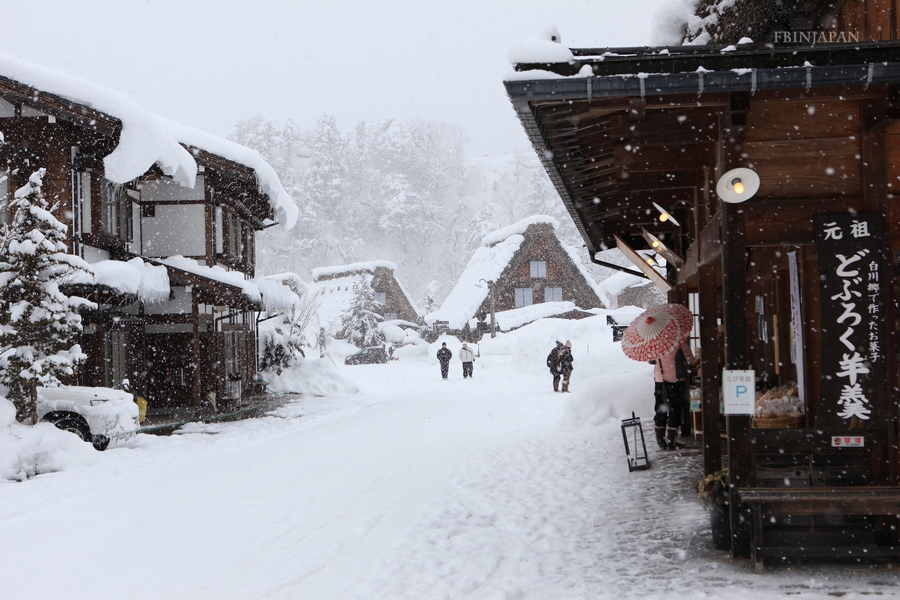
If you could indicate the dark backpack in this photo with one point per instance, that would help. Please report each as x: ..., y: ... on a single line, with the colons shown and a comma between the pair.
x: 553, y: 358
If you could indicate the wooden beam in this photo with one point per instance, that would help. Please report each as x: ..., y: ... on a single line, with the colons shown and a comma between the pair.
x: 709, y: 367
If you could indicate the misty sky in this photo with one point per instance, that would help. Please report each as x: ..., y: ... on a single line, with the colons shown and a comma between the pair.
x: 210, y: 63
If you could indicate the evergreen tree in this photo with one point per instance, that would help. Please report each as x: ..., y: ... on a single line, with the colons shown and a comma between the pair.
x: 39, y: 325
x: 360, y: 325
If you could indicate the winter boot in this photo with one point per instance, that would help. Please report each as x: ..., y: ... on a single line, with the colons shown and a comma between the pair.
x: 661, y: 437
x: 556, y: 385
x: 671, y: 434
x: 565, y: 387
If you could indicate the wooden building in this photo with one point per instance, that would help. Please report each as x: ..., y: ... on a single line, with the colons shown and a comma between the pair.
x: 797, y: 283
x: 516, y: 267
x: 185, y: 204
x: 332, y: 291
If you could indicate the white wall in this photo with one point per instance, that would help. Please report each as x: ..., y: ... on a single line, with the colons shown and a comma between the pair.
x: 177, y: 229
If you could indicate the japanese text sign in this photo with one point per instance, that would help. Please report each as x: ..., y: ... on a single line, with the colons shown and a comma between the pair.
x: 739, y: 392
x: 854, y: 322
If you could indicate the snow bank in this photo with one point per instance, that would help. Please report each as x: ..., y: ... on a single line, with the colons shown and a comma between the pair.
x: 314, y: 376
x: 29, y: 451
x: 401, y: 333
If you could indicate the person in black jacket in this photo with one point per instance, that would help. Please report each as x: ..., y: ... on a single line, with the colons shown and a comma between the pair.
x: 444, y: 355
x: 565, y: 364
x: 553, y: 365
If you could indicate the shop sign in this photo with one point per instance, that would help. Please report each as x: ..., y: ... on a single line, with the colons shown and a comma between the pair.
x: 847, y: 441
x: 739, y: 392
x: 853, y: 317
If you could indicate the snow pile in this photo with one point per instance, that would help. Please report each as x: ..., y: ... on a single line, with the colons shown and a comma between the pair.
x: 545, y: 48
x: 29, y: 451
x: 511, y: 319
x: 234, y: 278
x: 400, y: 333
x: 669, y: 22
x: 314, y: 377
x: 277, y: 296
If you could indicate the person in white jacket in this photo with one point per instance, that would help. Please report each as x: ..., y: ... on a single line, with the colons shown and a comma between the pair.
x: 468, y: 359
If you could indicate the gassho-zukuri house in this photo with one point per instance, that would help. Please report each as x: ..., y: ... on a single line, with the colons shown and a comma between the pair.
x: 522, y: 273
x: 776, y: 163
x: 166, y: 215
x: 332, y: 294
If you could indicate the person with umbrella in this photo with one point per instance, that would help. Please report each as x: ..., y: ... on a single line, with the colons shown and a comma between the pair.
x: 658, y: 335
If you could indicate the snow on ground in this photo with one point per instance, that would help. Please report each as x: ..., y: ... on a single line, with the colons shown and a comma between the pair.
x: 397, y: 484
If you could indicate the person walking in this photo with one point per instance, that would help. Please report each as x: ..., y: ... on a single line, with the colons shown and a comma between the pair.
x: 565, y: 364
x: 553, y: 365
x: 669, y: 393
x: 444, y: 355
x: 468, y: 358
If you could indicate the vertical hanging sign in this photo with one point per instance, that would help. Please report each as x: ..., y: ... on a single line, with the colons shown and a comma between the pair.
x: 853, y: 319
x: 797, y: 343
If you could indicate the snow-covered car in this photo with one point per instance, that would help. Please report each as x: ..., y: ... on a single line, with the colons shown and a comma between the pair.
x: 367, y: 356
x: 95, y: 414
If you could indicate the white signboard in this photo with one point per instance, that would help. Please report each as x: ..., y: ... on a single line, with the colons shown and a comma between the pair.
x: 739, y: 392
x: 847, y: 441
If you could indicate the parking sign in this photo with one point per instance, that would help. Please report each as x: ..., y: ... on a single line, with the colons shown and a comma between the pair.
x: 739, y: 392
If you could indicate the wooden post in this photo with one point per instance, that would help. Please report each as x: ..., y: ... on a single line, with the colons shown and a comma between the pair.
x: 195, y: 347
x: 734, y: 302
x: 709, y: 370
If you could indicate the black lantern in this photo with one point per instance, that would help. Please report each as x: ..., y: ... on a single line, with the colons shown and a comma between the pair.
x: 635, y: 448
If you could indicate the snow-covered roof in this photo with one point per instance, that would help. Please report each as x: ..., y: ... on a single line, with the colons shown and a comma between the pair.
x: 488, y: 263
x: 233, y: 278
x: 617, y: 283
x: 334, y: 297
x: 146, y: 139
x: 277, y: 297
x: 360, y: 267
x: 519, y: 228
x: 149, y: 282
x: 511, y: 319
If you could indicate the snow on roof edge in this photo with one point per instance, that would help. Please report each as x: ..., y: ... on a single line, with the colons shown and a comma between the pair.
x: 351, y: 268
x: 518, y: 227
x: 143, y: 142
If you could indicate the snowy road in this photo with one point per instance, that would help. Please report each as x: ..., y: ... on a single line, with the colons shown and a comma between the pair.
x: 412, y: 488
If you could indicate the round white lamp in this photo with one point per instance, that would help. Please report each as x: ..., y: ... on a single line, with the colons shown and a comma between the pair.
x: 738, y: 185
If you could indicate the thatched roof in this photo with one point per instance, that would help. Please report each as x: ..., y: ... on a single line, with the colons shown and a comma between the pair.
x: 727, y: 21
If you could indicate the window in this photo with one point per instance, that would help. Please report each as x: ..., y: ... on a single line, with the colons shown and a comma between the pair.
x: 524, y: 297
x: 552, y: 294
x: 539, y: 268
x: 235, y: 243
x: 390, y: 315
x: 115, y: 211
x: 380, y: 297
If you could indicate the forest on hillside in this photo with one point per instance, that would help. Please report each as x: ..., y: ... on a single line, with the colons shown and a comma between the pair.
x: 406, y: 192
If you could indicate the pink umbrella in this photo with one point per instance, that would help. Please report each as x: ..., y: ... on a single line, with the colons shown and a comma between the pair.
x: 657, y: 332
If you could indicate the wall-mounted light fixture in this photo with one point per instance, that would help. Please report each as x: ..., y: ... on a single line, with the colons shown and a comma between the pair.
x: 657, y: 246
x: 665, y: 215
x: 642, y: 263
x: 738, y: 185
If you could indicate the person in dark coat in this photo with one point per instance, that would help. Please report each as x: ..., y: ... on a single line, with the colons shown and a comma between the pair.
x: 565, y: 364
x: 444, y: 355
x: 553, y: 365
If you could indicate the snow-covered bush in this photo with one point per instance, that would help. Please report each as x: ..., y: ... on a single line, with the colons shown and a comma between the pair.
x: 39, y: 325
x: 282, y: 335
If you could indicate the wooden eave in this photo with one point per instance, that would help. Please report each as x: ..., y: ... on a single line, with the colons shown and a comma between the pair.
x: 609, y: 139
x: 243, y: 180
x: 19, y: 93
x: 207, y: 290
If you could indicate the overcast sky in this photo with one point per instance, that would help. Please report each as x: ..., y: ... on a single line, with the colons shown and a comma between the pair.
x: 211, y: 63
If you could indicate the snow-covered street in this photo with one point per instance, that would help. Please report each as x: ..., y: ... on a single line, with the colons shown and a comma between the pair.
x: 413, y: 487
